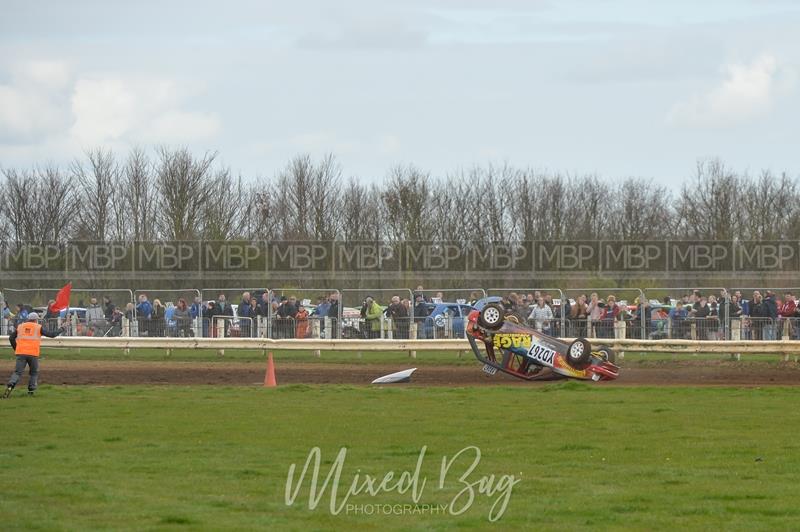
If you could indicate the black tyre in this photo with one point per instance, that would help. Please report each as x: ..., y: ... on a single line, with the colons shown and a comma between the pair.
x: 609, y: 354
x: 579, y: 353
x: 492, y: 316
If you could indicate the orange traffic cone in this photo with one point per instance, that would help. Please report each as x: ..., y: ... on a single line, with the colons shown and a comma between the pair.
x: 269, y: 378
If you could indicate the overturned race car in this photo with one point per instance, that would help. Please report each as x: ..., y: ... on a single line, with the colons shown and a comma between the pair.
x: 526, y: 353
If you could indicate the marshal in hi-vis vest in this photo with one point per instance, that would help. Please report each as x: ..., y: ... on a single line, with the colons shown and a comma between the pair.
x: 29, y: 339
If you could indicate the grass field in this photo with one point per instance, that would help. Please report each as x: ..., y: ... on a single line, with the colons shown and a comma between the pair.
x: 587, y: 457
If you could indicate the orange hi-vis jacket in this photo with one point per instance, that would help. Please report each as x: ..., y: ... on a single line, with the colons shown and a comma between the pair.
x: 29, y: 339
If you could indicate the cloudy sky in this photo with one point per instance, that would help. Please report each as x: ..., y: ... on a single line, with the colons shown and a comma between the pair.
x: 616, y: 87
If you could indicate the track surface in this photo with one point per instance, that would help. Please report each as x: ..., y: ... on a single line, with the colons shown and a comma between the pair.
x: 77, y: 372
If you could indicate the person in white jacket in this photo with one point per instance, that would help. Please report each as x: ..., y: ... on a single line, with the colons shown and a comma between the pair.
x: 541, y: 315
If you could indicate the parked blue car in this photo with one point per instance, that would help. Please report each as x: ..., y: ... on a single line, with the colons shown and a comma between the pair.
x: 444, y: 320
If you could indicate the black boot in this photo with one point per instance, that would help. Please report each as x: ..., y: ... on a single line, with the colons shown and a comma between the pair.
x: 8, y: 391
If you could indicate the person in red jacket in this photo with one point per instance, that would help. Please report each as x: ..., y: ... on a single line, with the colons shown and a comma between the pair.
x: 785, y: 312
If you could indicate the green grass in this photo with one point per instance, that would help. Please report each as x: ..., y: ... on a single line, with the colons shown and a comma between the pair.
x: 217, y: 458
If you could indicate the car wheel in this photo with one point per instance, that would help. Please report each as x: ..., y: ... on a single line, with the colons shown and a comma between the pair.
x: 492, y: 316
x: 609, y: 354
x: 579, y: 353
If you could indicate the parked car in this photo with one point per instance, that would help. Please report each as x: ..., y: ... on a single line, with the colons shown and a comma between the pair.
x: 444, y: 320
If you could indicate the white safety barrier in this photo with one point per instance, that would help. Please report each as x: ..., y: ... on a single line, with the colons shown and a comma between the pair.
x: 783, y: 347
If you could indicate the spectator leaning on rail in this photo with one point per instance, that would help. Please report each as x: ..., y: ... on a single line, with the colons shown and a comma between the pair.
x: 677, y: 318
x: 245, y: 311
x: 372, y: 317
x: 95, y: 318
x: 786, y: 313
x: 759, y: 315
x: 333, y: 314
x: 541, y: 315
x: 772, y: 309
x: 398, y: 313
x: 26, y: 340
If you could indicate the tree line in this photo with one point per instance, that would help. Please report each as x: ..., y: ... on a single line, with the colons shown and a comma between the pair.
x: 174, y: 194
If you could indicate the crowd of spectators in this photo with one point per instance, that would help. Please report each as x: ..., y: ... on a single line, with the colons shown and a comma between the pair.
x: 694, y: 314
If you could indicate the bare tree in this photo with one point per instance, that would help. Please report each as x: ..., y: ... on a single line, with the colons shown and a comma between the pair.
x: 185, y: 186
x: 225, y: 216
x: 768, y: 205
x: 710, y: 205
x: 360, y: 213
x: 39, y: 204
x: 134, y: 206
x: 640, y: 210
x: 97, y: 181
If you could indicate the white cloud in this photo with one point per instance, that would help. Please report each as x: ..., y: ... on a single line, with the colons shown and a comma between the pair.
x: 33, y: 103
x: 748, y: 92
x: 45, y: 102
x: 137, y: 110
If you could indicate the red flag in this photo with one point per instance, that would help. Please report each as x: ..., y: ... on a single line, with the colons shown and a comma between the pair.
x: 62, y: 298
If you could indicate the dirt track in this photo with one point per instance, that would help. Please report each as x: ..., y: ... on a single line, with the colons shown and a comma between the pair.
x: 239, y: 373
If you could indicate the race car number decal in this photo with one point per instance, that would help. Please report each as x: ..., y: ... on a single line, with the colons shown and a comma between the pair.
x: 491, y: 370
x: 542, y: 354
x: 507, y: 341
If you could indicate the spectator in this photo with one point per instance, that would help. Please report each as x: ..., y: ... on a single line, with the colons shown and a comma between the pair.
x: 21, y: 315
x: 508, y: 305
x: 323, y: 304
x: 677, y: 318
x: 333, y: 314
x: 209, y: 325
x: 610, y: 313
x: 595, y: 307
x: 116, y: 322
x: 772, y: 309
x: 95, y: 318
x: 786, y: 312
x: 759, y: 317
x: 643, y: 311
x: 158, y: 319
x: 372, y: 317
x: 398, y: 313
x: 264, y: 304
x: 541, y: 316
x: 302, y: 329
x: 183, y: 319
x: 144, y: 313
x: 255, y: 315
x: 284, y: 323
x: 108, y: 308
x: 321, y: 312
x: 579, y: 313
x: 225, y: 313
x: 743, y: 303
x: 660, y: 320
x: 245, y: 317
x: 196, y: 310
x: 729, y: 310
x: 474, y: 297
x: 169, y: 319
x: 420, y: 314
